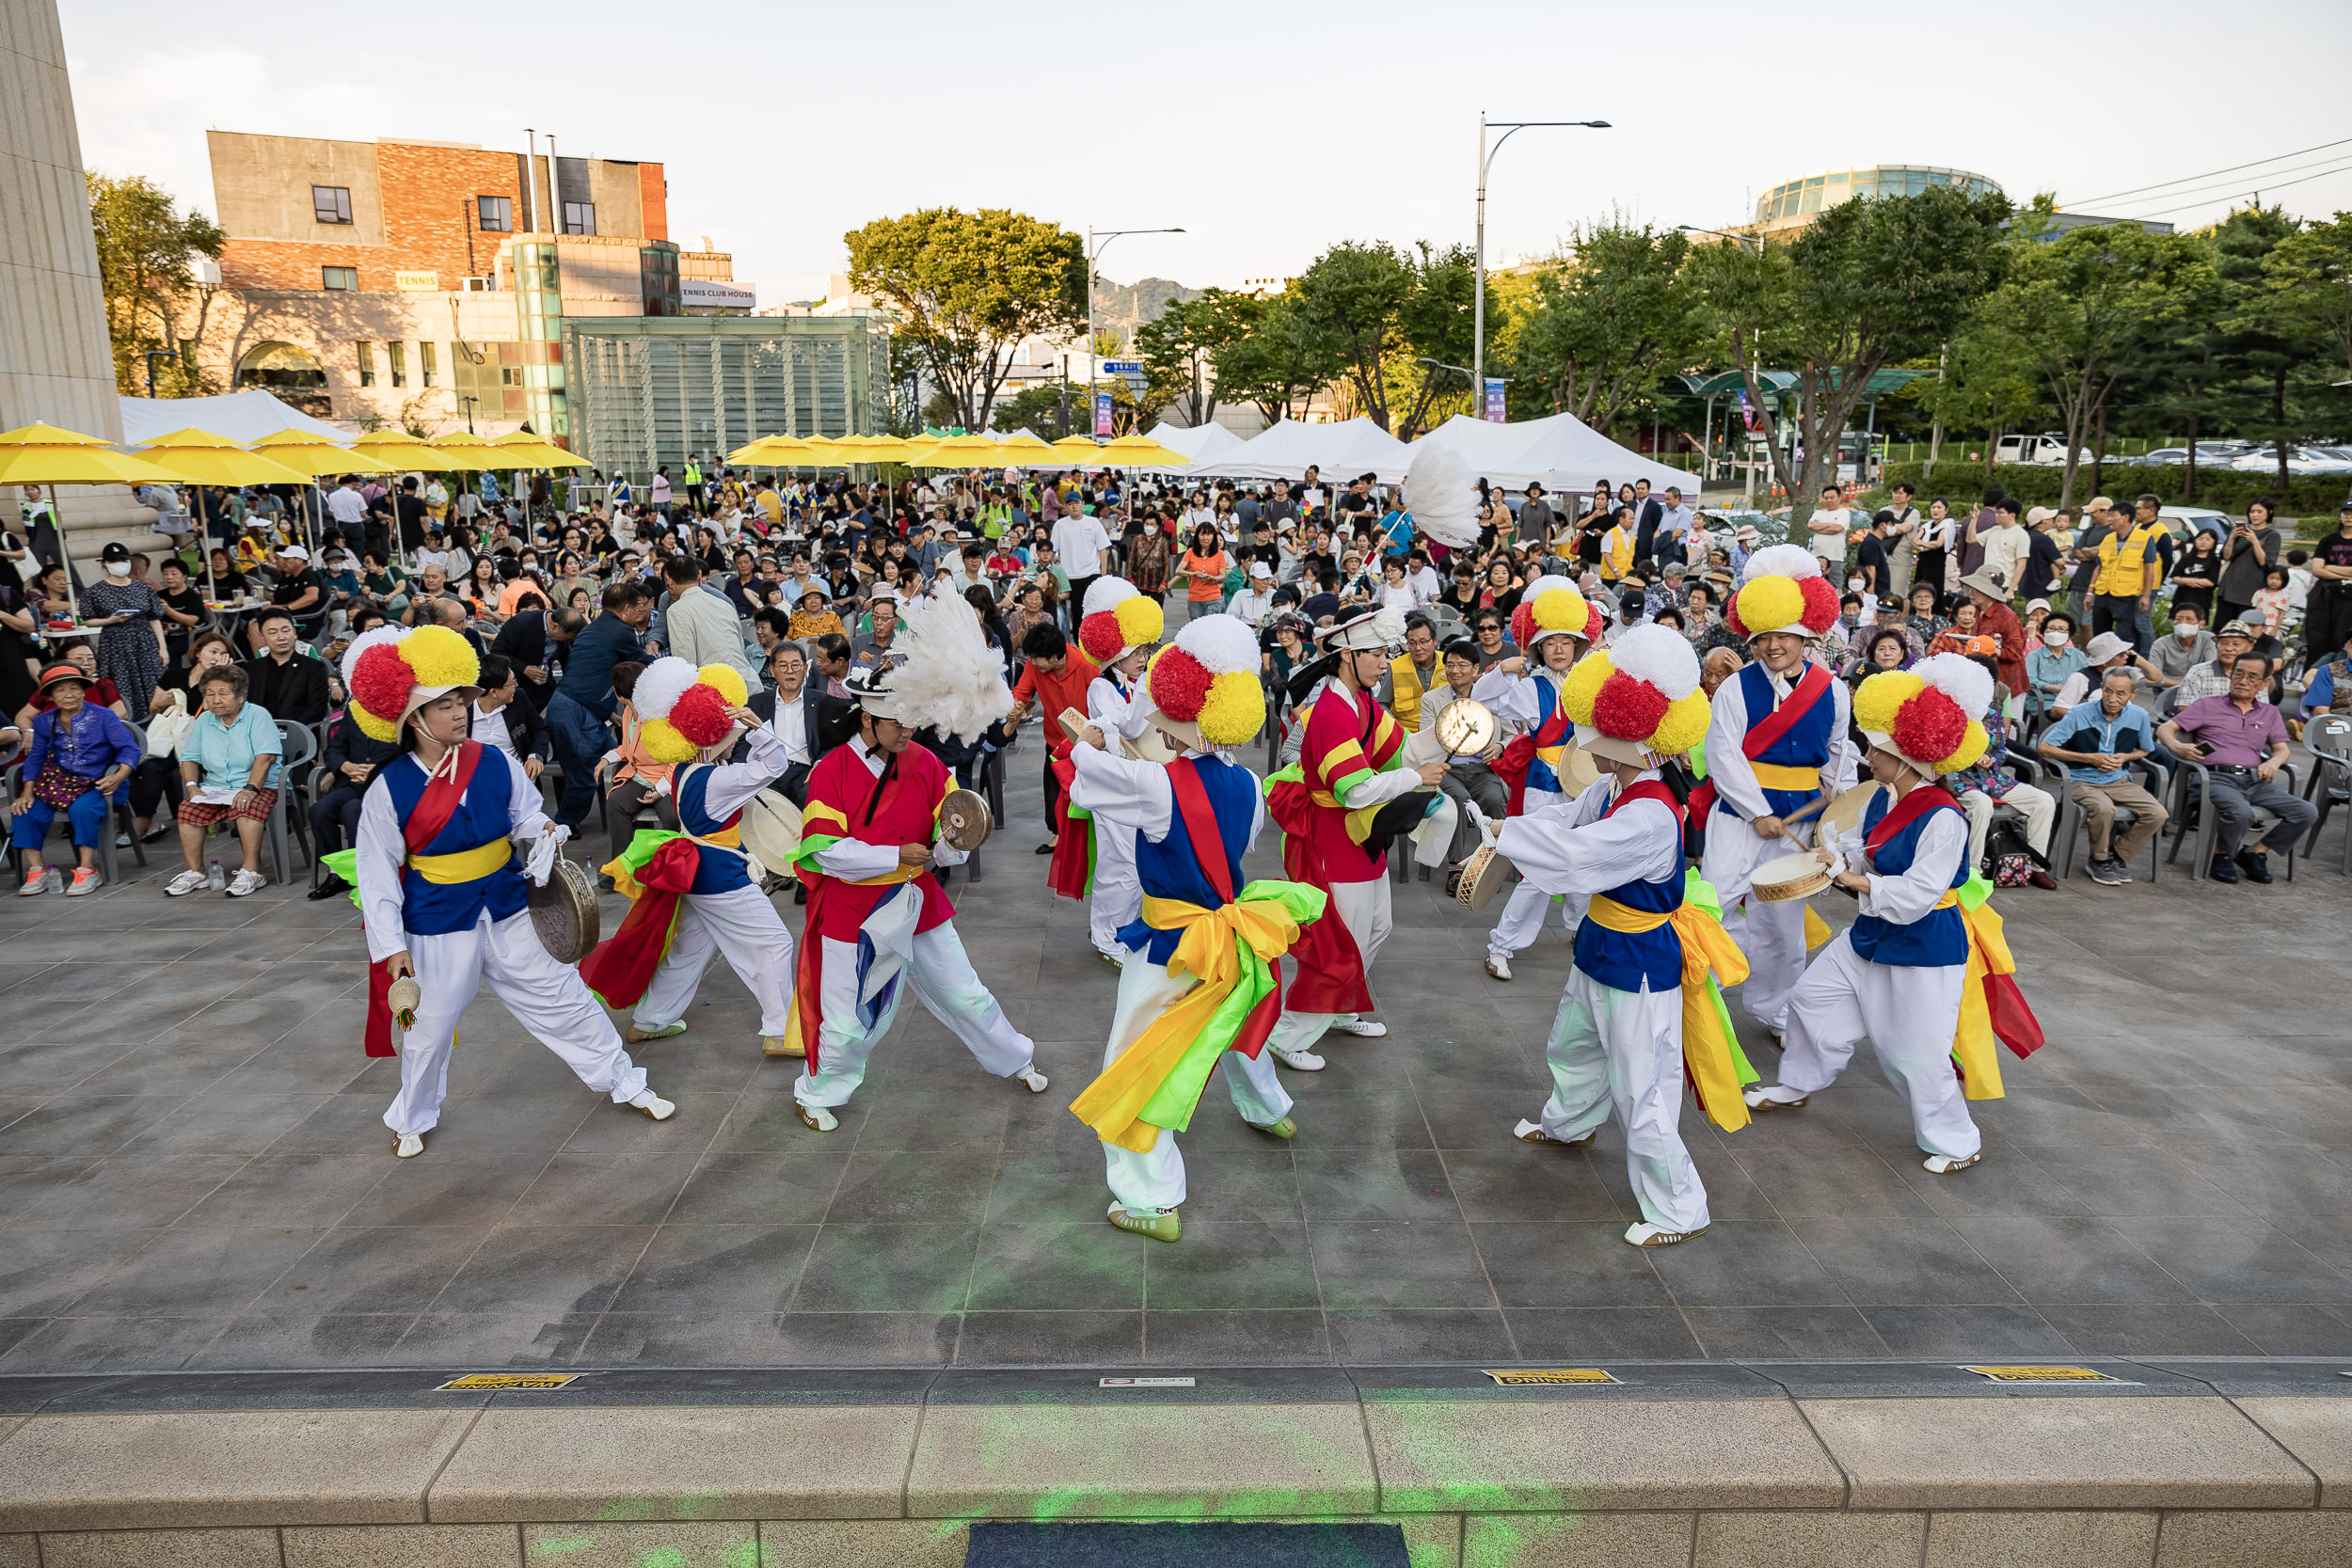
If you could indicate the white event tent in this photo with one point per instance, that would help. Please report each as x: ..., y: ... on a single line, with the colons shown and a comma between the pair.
x: 1201, y: 443
x: 1341, y: 450
x: 1560, y: 454
x: 242, y: 417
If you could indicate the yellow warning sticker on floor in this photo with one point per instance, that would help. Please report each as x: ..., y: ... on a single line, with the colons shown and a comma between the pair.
x: 2041, y: 1374
x: 1519, y: 1377
x: 511, y: 1380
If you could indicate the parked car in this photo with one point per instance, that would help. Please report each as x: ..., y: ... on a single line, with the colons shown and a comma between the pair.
x: 2210, y: 454
x: 2300, y: 459
x: 2047, y: 449
x: 2202, y: 519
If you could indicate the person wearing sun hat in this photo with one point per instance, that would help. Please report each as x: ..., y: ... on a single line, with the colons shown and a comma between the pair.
x: 1776, y: 745
x: 694, y: 892
x: 1201, y: 988
x: 1555, y: 624
x: 1643, y: 1007
x: 1338, y: 806
x: 1118, y: 630
x: 878, y: 923
x: 441, y: 884
x: 1925, y: 970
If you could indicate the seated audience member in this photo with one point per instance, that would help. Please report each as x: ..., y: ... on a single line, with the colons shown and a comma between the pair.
x: 229, y: 765
x: 285, y: 682
x: 2242, y: 741
x: 77, y: 756
x: 1467, y: 778
x: 2212, y: 678
x: 2107, y: 654
x: 351, y: 758
x: 513, y: 727
x: 2097, y: 741
x: 1987, y: 784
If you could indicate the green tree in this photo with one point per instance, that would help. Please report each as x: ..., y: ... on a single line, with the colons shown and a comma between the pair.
x: 1053, y: 410
x: 2265, y: 338
x: 967, y: 287
x: 1618, y: 311
x: 1180, y: 349
x: 1873, y: 282
x: 147, y: 251
x: 1278, y: 362
x: 1348, y: 300
x: 2314, y: 267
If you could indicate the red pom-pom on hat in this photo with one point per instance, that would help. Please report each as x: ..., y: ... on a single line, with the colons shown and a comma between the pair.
x: 1179, y: 683
x: 1820, y: 604
x: 381, y: 680
x: 1595, y: 626
x: 1628, y: 710
x: 1099, y: 635
x: 700, y: 715
x: 1522, y: 623
x: 1731, y: 615
x: 1930, y: 726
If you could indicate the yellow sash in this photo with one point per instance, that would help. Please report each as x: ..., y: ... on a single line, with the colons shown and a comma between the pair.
x: 1973, y: 1045
x: 1707, y: 948
x: 466, y: 865
x: 1771, y: 775
x: 1208, y: 949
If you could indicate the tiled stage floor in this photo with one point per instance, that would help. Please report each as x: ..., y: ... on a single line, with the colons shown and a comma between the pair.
x: 193, y: 1173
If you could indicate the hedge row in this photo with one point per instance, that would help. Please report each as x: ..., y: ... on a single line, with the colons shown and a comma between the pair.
x: 2310, y: 495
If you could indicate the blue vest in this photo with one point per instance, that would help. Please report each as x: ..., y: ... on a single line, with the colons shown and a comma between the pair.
x: 716, y: 870
x: 1942, y: 937
x: 1804, y: 745
x: 1170, y: 869
x: 1627, y: 960
x: 1539, y: 772
x: 430, y: 908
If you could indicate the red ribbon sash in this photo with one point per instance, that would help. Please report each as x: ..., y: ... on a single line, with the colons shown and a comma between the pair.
x: 443, y: 794
x: 1811, y: 687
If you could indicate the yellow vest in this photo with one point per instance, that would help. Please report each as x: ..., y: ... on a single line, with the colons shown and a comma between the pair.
x: 1405, y: 680
x: 2129, y: 567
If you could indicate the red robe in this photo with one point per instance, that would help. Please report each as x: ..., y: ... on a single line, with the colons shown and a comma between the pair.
x: 1323, y: 842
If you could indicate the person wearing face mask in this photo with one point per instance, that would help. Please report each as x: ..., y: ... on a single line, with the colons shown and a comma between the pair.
x: 2189, y: 645
x: 131, y: 649
x: 2049, y: 665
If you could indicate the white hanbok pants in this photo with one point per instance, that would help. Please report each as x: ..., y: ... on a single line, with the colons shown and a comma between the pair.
x: 1364, y: 908
x: 743, y: 925
x: 1772, y: 935
x: 1117, y: 896
x: 1156, y: 1180
x: 942, y: 977
x: 1621, y: 1051
x: 1522, y: 919
x: 547, y: 998
x: 1910, y: 1015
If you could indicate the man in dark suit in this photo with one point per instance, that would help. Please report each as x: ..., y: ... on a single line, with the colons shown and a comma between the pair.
x: 533, y: 639
x: 287, y: 684
x: 789, y: 707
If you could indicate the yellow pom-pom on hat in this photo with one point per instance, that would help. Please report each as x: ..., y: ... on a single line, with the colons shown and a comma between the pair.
x: 440, y: 657
x: 370, y: 725
x: 1684, y: 727
x: 728, y: 681
x: 1140, y: 620
x: 664, y: 743
x: 1235, y: 711
x: 1770, y: 604
x: 1584, y: 683
x: 1560, y: 609
x: 1971, y: 750
x: 1878, y: 699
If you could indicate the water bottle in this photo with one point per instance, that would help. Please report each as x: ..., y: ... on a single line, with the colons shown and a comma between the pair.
x: 214, y: 878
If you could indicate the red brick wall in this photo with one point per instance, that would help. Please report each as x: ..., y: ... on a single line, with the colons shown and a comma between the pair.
x: 653, y: 197
x: 276, y: 264
x: 428, y: 195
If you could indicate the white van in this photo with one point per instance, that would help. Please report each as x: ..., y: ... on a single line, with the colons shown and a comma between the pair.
x: 2048, y: 449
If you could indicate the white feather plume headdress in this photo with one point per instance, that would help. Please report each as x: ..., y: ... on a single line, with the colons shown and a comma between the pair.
x: 1442, y: 497
x: 953, y: 681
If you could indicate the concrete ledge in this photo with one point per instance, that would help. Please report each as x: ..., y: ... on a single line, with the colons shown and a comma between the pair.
x: 2318, y: 1433
x: 1485, y: 1458
x: 2057, y: 1453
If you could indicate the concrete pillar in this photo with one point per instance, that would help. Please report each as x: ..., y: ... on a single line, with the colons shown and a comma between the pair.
x: 56, y: 365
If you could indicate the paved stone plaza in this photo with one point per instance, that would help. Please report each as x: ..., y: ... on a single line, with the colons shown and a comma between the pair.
x: 193, y: 1172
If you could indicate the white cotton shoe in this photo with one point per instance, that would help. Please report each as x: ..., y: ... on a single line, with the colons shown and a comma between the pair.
x: 408, y: 1146
x: 816, y: 1117
x: 1644, y: 1234
x: 1944, y: 1165
x: 244, y: 884
x: 635, y: 1036
x: 1302, y: 1061
x: 184, y: 884
x: 1532, y: 1133
x: 1497, y: 966
x: 1030, y: 1079
x: 654, y: 1106
x: 1760, y: 1096
x: 1363, y: 1028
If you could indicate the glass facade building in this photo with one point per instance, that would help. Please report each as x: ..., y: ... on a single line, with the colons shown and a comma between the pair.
x: 1796, y: 202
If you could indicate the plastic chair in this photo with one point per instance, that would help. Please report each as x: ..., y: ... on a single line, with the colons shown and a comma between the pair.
x: 2075, y: 845
x: 298, y: 749
x: 2193, y: 788
x: 2329, y: 739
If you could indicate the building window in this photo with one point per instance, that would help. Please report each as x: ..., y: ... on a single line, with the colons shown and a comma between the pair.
x: 396, y: 354
x: 426, y: 366
x: 497, y: 212
x: 580, y: 217
x: 345, y: 279
x: 367, y: 363
x: 332, y: 203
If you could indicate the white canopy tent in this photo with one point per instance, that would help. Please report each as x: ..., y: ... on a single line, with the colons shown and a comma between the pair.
x: 1341, y: 450
x: 1201, y: 443
x: 242, y: 417
x: 1560, y: 454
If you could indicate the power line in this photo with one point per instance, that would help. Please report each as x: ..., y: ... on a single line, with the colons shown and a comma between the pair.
x: 2264, y: 180
x: 2211, y: 200
x: 2185, y: 179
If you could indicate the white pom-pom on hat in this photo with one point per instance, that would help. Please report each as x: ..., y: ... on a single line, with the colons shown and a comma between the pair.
x: 365, y: 641
x: 1223, y: 644
x: 1106, y: 593
x: 1958, y: 677
x: 663, y: 681
x: 1660, y: 656
x: 1782, y: 561
x: 1442, y: 498
x: 1544, y: 584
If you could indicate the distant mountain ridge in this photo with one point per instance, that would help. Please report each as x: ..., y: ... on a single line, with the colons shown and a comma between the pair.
x: 1128, y: 306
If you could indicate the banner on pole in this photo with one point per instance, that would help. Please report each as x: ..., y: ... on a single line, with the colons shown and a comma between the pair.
x: 1102, y: 413
x: 1494, y: 400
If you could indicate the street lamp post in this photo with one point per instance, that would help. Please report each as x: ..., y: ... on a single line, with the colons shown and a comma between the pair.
x: 153, y: 355
x: 1094, y: 250
x: 1485, y: 161
x: 470, y: 401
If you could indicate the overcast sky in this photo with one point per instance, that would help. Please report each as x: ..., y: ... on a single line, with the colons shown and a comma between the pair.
x: 1265, y: 130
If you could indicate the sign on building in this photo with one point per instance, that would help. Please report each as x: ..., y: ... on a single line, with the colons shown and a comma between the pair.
x: 417, y: 282
x: 710, y: 294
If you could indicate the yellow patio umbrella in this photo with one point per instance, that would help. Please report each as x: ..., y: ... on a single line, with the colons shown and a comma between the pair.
x: 1022, y: 447
x: 1141, y: 451
x: 44, y: 454
x: 1075, y: 451
x: 406, y: 452
x: 479, y: 452
x: 956, y: 451
x: 308, y: 452
x: 202, y: 458
x: 540, y: 453
x: 772, y: 452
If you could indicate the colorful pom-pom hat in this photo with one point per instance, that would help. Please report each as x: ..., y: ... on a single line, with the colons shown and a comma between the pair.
x: 1927, y: 715
x: 1118, y: 620
x: 394, y: 671
x: 1782, y: 589
x: 1552, y: 607
x: 682, y: 711
x: 1204, y: 686
x: 1638, y: 701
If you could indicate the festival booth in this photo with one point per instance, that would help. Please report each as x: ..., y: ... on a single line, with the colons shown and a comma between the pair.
x: 243, y: 417
x: 1341, y: 450
x: 1204, y: 443
x: 1560, y: 454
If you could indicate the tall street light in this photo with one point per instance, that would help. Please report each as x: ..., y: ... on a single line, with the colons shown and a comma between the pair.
x: 1094, y: 250
x: 1485, y: 161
